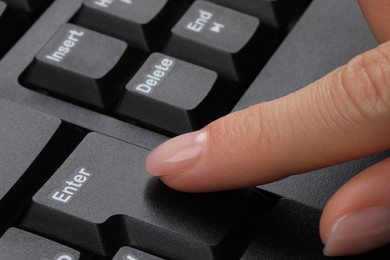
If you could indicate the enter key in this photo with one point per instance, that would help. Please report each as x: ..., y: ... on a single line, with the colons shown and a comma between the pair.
x: 102, y: 199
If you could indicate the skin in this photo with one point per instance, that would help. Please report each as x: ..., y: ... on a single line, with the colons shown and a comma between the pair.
x: 343, y: 116
x: 359, y: 193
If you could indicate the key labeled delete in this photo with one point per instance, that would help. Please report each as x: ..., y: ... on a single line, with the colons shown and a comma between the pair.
x: 153, y: 79
x: 175, y: 96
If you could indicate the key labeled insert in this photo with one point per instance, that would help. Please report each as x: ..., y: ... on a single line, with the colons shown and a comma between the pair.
x: 80, y: 64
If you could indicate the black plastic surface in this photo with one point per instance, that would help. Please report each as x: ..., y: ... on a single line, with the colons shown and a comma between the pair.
x: 29, y: 6
x: 329, y: 34
x: 291, y: 233
x: 24, y: 134
x: 142, y: 24
x: 32, y: 145
x: 21, y: 56
x: 127, y: 253
x: 21, y: 245
x: 277, y: 13
x: 102, y: 194
x: 175, y: 96
x: 221, y: 39
x: 12, y: 26
x: 80, y: 64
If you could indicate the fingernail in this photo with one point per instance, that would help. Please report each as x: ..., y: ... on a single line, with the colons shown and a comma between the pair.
x: 359, y: 232
x: 177, y: 154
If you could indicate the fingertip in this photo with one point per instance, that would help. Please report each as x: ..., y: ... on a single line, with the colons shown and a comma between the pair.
x: 357, y: 218
x: 176, y: 155
x: 359, y: 232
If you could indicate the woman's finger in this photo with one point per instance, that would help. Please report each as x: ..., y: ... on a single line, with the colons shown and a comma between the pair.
x: 377, y: 13
x: 343, y: 116
x: 357, y: 218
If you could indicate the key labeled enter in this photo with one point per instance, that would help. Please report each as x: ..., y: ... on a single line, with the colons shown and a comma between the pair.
x: 81, y: 65
x: 220, y: 39
x: 121, y: 204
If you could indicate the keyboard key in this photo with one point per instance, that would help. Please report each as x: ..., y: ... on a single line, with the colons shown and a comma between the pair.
x: 141, y: 23
x: 24, y: 133
x: 21, y: 245
x: 30, y: 151
x: 103, y: 195
x: 80, y: 64
x: 128, y: 253
x: 29, y: 6
x: 290, y: 227
x: 277, y: 13
x: 175, y: 96
x: 12, y: 25
x: 224, y: 40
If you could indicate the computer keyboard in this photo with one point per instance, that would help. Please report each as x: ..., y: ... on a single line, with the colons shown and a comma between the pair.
x: 83, y: 62
x: 88, y: 88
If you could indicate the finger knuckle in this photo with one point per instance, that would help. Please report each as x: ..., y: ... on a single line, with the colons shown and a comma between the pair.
x: 365, y: 82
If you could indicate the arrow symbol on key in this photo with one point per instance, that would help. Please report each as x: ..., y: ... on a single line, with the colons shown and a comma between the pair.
x: 217, y: 27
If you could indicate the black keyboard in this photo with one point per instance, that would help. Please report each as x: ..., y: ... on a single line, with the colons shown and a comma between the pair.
x: 89, y: 87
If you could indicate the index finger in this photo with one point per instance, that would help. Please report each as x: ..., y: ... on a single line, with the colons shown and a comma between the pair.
x: 341, y: 117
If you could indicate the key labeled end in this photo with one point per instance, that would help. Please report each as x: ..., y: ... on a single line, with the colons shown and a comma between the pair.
x: 276, y: 13
x: 221, y: 39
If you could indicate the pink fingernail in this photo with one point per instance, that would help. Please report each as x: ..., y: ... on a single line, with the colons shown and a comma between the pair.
x: 359, y: 232
x: 177, y: 154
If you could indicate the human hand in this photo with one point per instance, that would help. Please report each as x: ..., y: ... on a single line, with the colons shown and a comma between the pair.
x: 343, y: 116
